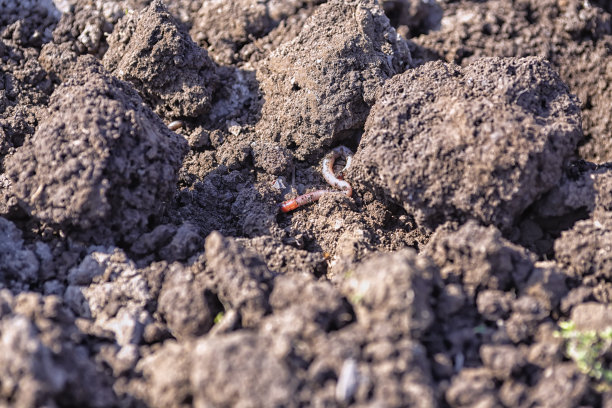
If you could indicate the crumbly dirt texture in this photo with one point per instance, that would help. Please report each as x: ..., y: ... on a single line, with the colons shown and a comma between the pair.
x: 508, y: 123
x: 147, y: 267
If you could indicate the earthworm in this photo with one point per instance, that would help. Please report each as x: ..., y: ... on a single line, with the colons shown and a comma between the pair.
x: 329, y: 176
x: 175, y: 125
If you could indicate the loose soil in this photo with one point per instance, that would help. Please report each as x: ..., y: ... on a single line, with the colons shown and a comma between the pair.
x: 146, y: 267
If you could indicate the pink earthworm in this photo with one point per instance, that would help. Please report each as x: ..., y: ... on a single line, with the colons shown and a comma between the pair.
x: 329, y: 176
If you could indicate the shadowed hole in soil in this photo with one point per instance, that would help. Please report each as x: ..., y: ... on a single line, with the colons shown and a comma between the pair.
x: 538, y: 234
x: 536, y: 231
x: 213, y: 302
x: 334, y: 323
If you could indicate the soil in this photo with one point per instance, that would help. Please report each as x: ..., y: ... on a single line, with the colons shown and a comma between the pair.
x: 147, y: 267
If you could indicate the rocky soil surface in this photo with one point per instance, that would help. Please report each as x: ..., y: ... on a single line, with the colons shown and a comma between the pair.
x: 144, y: 262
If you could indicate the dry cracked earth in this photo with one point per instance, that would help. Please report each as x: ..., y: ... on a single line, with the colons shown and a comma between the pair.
x: 147, y: 267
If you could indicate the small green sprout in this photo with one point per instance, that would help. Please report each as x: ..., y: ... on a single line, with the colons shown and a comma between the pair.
x: 356, y: 298
x: 588, y: 348
x: 218, y: 317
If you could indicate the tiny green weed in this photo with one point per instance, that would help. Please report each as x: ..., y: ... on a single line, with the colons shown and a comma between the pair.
x: 219, y: 317
x: 588, y: 348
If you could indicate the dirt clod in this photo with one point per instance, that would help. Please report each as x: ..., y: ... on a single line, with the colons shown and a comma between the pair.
x: 149, y: 50
x: 314, y: 95
x: 101, y: 166
x: 516, y: 130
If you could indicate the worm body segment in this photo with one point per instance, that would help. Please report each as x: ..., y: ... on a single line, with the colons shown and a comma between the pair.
x: 328, y: 169
x: 329, y: 176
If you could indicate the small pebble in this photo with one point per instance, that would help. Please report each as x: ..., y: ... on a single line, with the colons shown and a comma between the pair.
x: 175, y: 125
x: 347, y: 381
x: 279, y: 184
